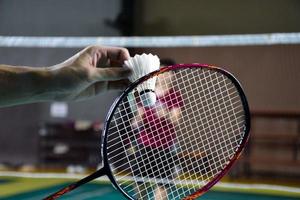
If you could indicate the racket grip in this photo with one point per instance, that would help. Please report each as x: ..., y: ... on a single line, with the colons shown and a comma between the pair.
x: 75, y: 185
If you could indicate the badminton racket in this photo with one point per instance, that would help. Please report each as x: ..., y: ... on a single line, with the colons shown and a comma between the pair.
x: 145, y: 148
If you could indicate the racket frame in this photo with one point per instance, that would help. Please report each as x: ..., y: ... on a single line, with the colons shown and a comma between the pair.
x: 106, y: 165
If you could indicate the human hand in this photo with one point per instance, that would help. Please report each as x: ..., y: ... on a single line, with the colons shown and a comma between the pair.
x: 93, y: 70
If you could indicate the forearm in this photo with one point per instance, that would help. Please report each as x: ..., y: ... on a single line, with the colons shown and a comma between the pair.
x: 93, y: 70
x: 19, y: 85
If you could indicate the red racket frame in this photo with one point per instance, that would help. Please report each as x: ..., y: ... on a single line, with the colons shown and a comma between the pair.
x: 106, y: 170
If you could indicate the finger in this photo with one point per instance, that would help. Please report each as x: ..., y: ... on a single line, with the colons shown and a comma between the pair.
x: 117, y: 54
x: 117, y: 57
x: 103, y: 55
x: 113, y: 53
x: 111, y: 74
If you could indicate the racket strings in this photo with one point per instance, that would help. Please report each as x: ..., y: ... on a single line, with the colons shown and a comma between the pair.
x: 206, y: 125
x: 205, y: 146
x: 204, y: 106
x: 196, y: 139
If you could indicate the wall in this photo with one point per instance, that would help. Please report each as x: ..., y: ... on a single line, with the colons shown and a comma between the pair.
x: 269, y: 74
x: 207, y: 17
x: 58, y: 18
x: 19, y: 125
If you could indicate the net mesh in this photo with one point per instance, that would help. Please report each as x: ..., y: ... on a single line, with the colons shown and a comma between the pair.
x: 175, y: 147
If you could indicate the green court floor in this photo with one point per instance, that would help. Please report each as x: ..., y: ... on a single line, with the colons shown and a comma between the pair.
x: 31, y: 189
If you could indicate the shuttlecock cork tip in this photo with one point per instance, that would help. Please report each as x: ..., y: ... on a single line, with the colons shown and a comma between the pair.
x: 148, y: 98
x: 142, y: 65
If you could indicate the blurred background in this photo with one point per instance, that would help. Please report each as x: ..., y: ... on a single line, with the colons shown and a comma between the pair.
x: 64, y: 137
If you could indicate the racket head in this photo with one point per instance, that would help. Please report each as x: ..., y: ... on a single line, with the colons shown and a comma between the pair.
x: 109, y: 163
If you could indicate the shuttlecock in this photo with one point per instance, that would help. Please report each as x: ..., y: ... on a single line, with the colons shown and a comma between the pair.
x: 142, y: 65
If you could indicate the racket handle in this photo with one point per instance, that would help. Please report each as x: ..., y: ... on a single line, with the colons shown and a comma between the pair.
x: 73, y: 186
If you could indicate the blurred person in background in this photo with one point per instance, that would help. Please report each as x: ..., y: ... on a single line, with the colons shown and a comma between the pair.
x: 93, y: 70
x: 152, y: 144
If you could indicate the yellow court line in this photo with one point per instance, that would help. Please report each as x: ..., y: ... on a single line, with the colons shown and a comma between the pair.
x: 21, y: 185
x: 23, y: 182
x: 262, y: 189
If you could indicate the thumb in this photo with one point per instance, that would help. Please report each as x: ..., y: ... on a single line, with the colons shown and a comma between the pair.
x: 111, y: 73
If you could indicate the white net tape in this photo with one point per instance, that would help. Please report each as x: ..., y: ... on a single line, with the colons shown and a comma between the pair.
x: 183, y: 141
x: 160, y: 41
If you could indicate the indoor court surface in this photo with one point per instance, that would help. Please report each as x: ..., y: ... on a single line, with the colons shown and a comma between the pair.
x: 14, y: 188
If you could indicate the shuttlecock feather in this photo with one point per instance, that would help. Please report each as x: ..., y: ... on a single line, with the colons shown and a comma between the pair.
x: 142, y: 65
